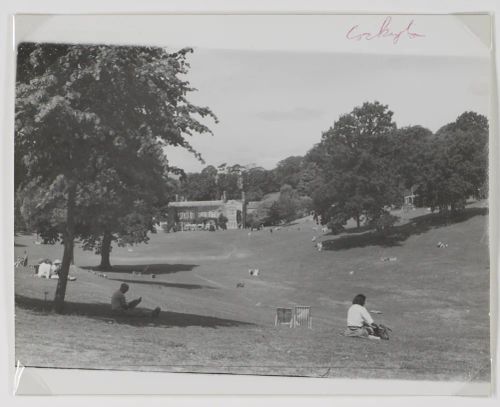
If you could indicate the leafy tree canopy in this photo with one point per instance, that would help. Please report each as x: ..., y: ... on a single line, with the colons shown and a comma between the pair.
x: 356, y: 166
x: 457, y: 163
x: 91, y: 125
x: 288, y: 171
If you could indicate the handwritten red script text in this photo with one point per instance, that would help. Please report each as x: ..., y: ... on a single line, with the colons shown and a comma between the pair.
x: 385, y: 31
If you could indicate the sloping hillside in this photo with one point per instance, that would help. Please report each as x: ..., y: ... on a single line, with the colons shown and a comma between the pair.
x: 436, y: 300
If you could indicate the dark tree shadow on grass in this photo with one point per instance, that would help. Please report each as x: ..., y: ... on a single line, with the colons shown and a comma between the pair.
x: 399, y: 234
x: 147, y: 268
x: 102, y: 312
x: 361, y: 240
x: 19, y: 245
x: 361, y: 229
x: 163, y: 284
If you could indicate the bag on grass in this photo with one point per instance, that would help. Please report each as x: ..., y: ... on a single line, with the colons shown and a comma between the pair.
x: 381, y: 331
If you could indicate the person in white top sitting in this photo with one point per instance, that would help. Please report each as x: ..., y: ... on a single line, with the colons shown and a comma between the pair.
x: 44, y: 269
x: 359, y: 321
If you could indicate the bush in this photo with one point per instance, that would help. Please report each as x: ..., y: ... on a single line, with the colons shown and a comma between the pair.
x: 253, y: 221
x: 222, y: 222
x: 385, y: 222
x: 336, y: 228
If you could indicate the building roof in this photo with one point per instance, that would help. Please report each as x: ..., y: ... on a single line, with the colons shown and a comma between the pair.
x: 185, y: 204
x: 253, y: 204
x: 189, y: 204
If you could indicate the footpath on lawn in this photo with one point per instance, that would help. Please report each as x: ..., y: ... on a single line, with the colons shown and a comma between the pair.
x: 436, y: 300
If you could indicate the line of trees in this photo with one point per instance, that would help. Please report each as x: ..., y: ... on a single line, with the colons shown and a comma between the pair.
x: 360, y: 169
x: 211, y: 182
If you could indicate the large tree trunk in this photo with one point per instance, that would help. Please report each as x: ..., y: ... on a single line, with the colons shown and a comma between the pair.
x: 105, y: 251
x: 69, y: 237
x: 358, y: 222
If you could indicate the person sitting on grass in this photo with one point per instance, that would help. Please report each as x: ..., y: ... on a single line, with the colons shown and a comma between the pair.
x: 44, y: 269
x: 120, y: 305
x: 55, y: 268
x: 360, y: 324
x: 22, y: 261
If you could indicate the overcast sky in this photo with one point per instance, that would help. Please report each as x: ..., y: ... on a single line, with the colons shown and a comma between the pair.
x: 275, y: 104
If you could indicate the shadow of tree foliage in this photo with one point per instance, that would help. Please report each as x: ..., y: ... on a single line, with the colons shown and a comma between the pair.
x: 102, y: 312
x: 147, y: 268
x: 361, y: 229
x: 163, y: 284
x: 399, y: 234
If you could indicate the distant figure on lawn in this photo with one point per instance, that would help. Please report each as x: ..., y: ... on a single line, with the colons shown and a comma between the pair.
x: 48, y: 269
x: 44, y: 269
x: 359, y: 321
x: 119, y: 302
x: 22, y: 260
x: 55, y: 268
x: 120, y: 305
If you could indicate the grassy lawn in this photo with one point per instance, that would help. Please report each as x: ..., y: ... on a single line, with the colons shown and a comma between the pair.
x: 436, y: 300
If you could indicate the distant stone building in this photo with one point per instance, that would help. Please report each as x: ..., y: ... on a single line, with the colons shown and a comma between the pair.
x: 198, y: 215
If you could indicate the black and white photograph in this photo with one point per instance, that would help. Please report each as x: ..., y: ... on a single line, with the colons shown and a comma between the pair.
x: 310, y: 200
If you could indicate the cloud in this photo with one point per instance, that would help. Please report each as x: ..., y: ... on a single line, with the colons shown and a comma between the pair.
x: 298, y: 113
x: 479, y: 88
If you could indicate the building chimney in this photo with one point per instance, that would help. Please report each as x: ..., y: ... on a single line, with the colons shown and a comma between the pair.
x: 243, y: 210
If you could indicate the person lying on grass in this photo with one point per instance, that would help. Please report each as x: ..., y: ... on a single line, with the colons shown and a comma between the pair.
x: 359, y: 321
x: 120, y: 306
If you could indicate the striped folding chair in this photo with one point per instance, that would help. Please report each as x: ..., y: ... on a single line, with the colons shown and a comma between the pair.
x: 302, y: 316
